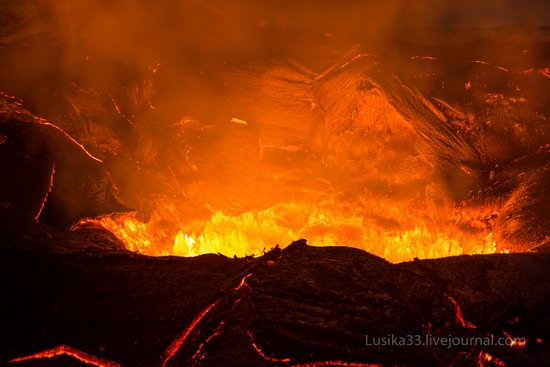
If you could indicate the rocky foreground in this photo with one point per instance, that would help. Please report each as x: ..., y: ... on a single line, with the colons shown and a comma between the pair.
x: 302, y: 306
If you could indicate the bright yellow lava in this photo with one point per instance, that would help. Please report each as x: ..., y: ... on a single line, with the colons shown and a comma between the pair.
x: 253, y: 233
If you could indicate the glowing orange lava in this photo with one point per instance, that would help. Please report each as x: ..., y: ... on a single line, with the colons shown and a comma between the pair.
x: 50, y: 187
x: 488, y: 358
x: 178, y: 342
x: 261, y: 353
x: 199, y: 353
x: 324, y: 158
x: 336, y: 364
x: 287, y: 361
x: 69, y: 351
x: 251, y: 233
x: 458, y: 314
x: 515, y: 342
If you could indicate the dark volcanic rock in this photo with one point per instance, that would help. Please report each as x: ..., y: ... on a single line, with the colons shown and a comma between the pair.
x: 298, y: 306
x: 46, y: 174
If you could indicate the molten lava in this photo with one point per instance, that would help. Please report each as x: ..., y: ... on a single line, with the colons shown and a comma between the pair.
x: 341, y: 158
x: 178, y: 342
x: 69, y: 351
x: 252, y: 233
x: 261, y: 353
x: 485, y: 358
x: 458, y: 314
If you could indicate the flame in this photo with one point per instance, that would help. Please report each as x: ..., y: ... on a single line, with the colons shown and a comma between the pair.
x: 136, y: 235
x: 253, y: 233
x: 178, y: 342
x: 358, y: 176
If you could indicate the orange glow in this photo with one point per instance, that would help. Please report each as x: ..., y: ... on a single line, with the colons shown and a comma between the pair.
x: 458, y: 314
x: 69, y: 351
x: 243, y: 282
x: 178, y: 342
x: 50, y: 187
x: 336, y: 364
x: 515, y: 342
x: 261, y: 353
x: 251, y: 233
x: 199, y: 353
x: 486, y: 357
x: 334, y: 163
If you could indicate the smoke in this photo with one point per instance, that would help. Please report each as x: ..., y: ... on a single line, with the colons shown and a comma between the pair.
x: 94, y: 39
x: 211, y: 105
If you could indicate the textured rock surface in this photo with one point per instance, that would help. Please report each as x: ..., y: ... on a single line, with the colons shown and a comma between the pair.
x: 291, y: 307
x: 46, y: 175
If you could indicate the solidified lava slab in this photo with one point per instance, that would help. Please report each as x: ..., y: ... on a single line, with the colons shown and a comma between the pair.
x: 301, y: 306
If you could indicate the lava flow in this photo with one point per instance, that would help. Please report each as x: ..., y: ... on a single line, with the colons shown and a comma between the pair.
x: 52, y: 175
x: 244, y: 182
x: 199, y: 354
x: 287, y: 361
x: 261, y: 353
x: 68, y: 351
x: 178, y: 342
x: 485, y: 358
x: 336, y: 364
x: 380, y: 168
x: 458, y: 314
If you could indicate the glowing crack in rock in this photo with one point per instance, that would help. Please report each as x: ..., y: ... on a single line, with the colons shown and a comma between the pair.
x: 243, y: 282
x: 68, y: 351
x: 458, y: 314
x: 287, y: 361
x: 178, y: 342
x: 484, y: 358
x: 199, y: 353
x: 47, y: 194
x: 251, y: 233
x: 514, y: 342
